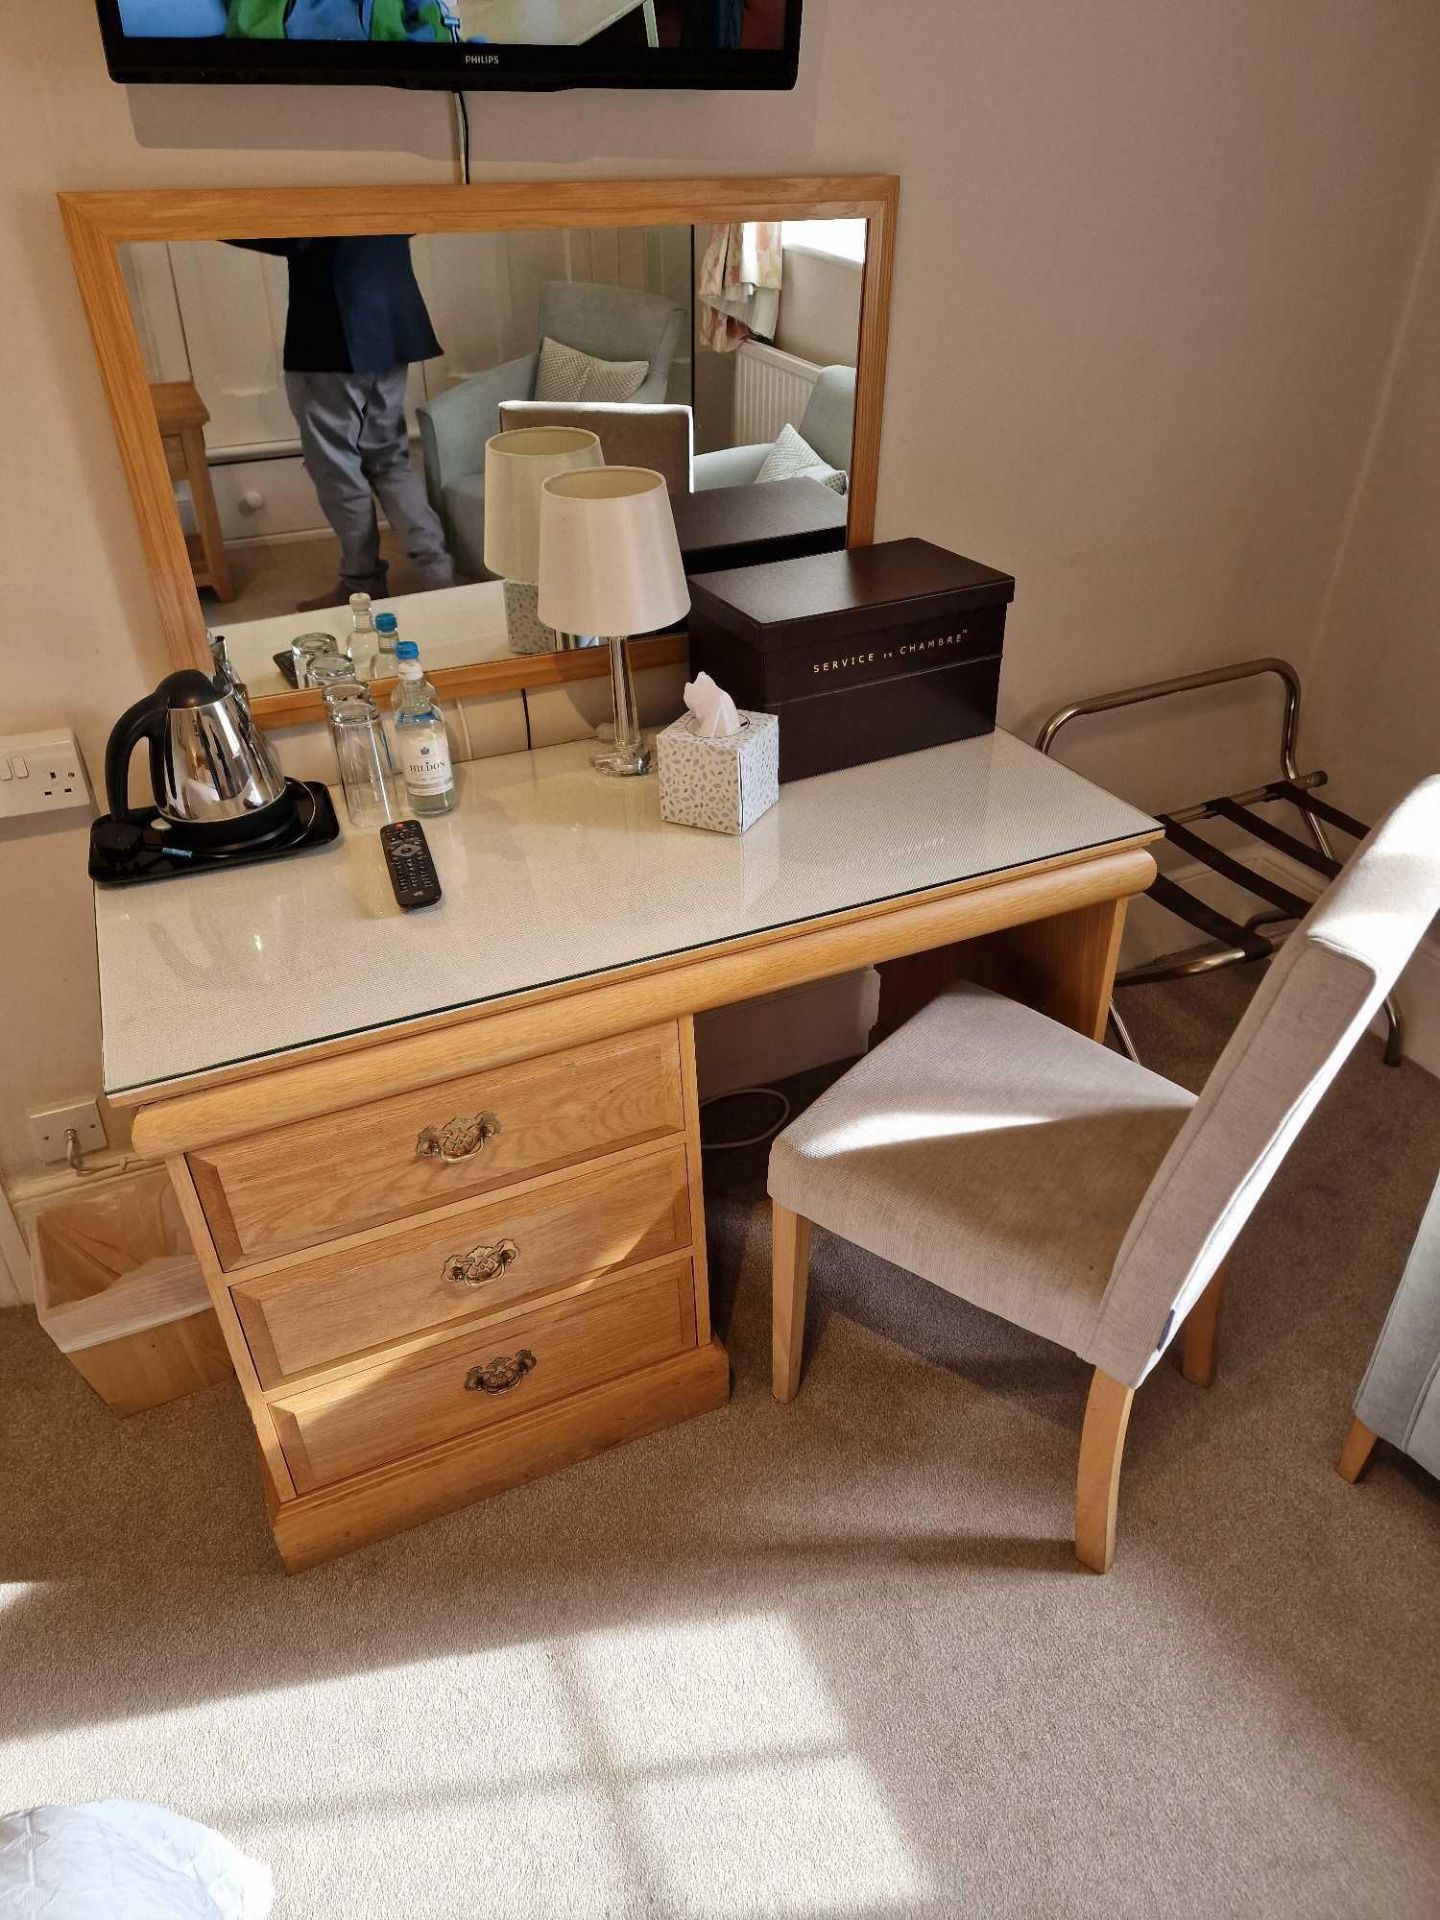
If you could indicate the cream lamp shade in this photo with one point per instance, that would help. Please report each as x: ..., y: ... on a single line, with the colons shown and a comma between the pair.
x: 517, y: 464
x: 609, y: 555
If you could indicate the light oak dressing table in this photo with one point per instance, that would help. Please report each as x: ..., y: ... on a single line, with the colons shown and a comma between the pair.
x: 443, y: 1170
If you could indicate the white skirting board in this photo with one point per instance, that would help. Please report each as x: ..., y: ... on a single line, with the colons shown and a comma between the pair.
x: 1150, y: 930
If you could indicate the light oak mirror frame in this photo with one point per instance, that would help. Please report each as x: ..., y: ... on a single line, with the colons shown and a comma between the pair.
x: 97, y: 225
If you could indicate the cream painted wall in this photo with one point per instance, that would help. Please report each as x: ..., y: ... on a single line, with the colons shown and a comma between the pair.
x: 1374, y: 720
x: 819, y: 309
x: 1151, y: 263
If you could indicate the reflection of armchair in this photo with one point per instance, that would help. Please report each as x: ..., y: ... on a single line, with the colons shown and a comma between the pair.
x: 661, y: 438
x: 827, y: 424
x: 612, y: 323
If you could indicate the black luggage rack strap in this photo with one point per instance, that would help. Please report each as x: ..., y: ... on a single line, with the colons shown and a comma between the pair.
x: 1228, y: 942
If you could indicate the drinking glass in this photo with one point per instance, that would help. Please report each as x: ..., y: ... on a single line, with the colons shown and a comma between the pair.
x: 367, y: 772
x: 327, y: 670
x: 305, y: 648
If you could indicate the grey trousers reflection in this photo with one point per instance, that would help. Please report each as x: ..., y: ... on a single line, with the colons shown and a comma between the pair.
x: 355, y: 448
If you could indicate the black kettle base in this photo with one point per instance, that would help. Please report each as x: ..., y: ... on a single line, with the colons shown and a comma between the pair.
x: 263, y: 827
x: 127, y: 853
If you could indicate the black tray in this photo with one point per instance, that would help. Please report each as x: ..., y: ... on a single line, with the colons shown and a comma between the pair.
x: 156, y: 855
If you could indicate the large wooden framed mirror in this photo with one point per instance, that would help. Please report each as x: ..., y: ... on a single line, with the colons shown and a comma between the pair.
x: 730, y: 331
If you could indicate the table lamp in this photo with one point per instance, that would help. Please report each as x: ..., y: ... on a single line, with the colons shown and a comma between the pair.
x: 610, y: 564
x: 516, y: 466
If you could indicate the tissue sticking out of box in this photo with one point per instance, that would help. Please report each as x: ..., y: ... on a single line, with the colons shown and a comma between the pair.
x: 713, y: 711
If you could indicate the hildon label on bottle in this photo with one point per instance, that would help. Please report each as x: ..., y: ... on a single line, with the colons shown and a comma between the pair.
x: 427, y: 765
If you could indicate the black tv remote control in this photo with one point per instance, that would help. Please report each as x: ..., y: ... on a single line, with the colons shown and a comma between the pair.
x: 412, y: 871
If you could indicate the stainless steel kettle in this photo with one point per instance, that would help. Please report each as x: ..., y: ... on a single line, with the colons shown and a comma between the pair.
x: 214, y: 775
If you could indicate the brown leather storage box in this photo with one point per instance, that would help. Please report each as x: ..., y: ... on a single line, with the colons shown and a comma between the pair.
x: 862, y: 654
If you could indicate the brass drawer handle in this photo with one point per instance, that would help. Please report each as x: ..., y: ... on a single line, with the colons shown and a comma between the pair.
x: 459, y: 1139
x: 502, y: 1373
x: 480, y: 1264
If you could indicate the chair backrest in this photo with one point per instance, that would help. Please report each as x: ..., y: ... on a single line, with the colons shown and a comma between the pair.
x: 614, y: 323
x: 828, y: 422
x: 1321, y: 992
x: 630, y: 435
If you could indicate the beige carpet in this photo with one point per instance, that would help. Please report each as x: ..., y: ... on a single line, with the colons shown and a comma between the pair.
x: 831, y: 1659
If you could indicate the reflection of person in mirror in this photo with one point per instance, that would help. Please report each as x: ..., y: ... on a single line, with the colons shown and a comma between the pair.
x: 356, y: 321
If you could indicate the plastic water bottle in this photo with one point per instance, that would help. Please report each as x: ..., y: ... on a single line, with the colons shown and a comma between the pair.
x: 424, y: 750
x: 387, y: 629
x: 364, y: 640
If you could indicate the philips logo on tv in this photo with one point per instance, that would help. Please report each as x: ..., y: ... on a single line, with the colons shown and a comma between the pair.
x: 482, y: 59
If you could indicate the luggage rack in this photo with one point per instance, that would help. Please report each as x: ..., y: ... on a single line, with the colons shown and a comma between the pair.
x: 1228, y: 942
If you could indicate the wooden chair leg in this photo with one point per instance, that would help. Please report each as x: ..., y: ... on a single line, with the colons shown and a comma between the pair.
x: 1200, y: 1335
x: 1356, y: 1452
x: 1097, y: 1485
x: 791, y: 1275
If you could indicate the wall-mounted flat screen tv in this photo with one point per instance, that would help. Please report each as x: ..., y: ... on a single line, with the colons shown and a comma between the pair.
x: 467, y: 45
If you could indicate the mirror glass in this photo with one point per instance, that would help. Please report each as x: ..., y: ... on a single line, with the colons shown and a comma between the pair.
x: 325, y: 406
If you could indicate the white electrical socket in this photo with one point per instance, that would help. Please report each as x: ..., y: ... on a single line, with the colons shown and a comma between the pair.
x: 41, y: 773
x: 48, y: 1126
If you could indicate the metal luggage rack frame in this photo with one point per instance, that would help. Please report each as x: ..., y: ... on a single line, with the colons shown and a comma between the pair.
x: 1230, y: 943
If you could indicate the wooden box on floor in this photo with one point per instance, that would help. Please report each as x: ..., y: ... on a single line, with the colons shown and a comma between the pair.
x: 120, y: 1292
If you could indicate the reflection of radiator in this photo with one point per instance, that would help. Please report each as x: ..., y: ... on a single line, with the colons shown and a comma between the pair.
x: 771, y: 388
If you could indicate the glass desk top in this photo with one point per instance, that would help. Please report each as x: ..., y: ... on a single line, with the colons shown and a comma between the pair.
x: 552, y: 873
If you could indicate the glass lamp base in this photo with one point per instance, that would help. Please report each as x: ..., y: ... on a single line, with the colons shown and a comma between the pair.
x: 622, y: 761
x: 627, y: 754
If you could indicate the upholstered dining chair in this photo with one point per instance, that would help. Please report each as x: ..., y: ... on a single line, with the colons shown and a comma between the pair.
x: 1017, y: 1164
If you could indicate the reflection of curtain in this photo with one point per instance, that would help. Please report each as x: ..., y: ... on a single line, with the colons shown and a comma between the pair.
x: 740, y: 284
x: 712, y: 23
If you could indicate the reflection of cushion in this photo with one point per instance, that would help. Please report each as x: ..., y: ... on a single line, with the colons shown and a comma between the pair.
x: 790, y: 457
x: 565, y: 373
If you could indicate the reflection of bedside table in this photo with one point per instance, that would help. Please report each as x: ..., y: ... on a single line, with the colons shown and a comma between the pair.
x: 742, y: 526
x: 181, y: 415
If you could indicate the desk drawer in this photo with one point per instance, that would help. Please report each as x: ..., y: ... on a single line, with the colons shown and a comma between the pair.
x: 474, y: 1261
x: 318, y: 1179
x: 484, y: 1379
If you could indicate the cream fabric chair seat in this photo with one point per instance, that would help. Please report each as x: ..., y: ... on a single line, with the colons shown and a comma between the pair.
x: 993, y: 1152
x: 1018, y: 1164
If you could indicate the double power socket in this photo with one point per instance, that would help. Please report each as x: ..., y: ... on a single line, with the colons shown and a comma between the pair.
x: 41, y: 773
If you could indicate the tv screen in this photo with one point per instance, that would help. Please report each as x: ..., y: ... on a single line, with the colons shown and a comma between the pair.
x: 458, y: 45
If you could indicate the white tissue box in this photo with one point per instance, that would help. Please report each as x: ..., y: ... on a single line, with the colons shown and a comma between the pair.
x: 725, y: 784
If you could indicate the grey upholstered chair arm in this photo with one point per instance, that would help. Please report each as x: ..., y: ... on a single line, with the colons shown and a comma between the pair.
x: 653, y: 388
x: 828, y: 423
x: 1399, y: 1397
x: 729, y: 467
x: 455, y: 425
